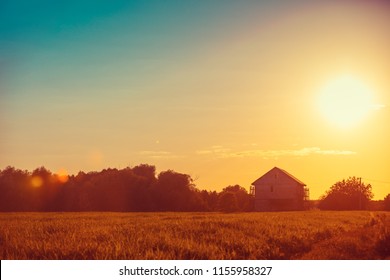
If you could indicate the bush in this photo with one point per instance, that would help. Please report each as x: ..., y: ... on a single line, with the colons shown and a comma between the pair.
x: 350, y: 194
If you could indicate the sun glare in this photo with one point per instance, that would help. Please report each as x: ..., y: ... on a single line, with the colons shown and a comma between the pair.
x: 345, y: 101
x: 62, y: 176
x: 36, y: 181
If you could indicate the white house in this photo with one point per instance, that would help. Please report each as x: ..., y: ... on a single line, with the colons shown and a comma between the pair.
x: 278, y: 190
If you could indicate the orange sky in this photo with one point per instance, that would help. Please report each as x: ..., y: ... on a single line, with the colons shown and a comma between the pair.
x: 220, y: 91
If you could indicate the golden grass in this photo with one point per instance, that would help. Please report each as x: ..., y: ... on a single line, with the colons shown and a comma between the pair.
x: 281, y: 235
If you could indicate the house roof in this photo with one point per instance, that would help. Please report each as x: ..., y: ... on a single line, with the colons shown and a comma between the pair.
x: 283, y: 171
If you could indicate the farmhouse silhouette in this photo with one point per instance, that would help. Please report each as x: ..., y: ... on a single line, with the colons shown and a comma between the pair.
x: 278, y: 190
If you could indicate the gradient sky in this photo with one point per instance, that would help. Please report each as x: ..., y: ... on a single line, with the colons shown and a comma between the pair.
x: 220, y: 90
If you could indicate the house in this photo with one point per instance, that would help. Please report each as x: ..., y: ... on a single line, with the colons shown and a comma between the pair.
x: 278, y: 190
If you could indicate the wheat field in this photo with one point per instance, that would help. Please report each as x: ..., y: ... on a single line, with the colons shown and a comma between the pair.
x: 278, y: 235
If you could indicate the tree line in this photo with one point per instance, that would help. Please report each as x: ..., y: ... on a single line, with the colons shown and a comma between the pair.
x: 140, y: 189
x: 135, y: 189
x: 351, y: 194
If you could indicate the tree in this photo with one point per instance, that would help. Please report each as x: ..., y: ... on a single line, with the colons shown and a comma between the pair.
x: 209, y: 200
x: 387, y: 202
x: 173, y: 191
x: 14, y: 190
x: 227, y: 202
x: 350, y: 194
x: 243, y: 198
x: 146, y: 171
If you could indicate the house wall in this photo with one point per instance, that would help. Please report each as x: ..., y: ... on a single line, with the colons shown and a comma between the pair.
x: 276, y: 191
x: 277, y: 185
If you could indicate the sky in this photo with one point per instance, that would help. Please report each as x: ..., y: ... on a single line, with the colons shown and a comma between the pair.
x: 220, y: 90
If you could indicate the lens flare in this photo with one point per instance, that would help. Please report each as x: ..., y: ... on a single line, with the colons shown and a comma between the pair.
x: 36, y: 181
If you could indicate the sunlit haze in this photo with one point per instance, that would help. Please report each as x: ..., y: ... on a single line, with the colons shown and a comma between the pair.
x: 220, y: 90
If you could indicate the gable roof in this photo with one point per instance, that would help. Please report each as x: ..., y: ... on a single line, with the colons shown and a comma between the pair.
x: 283, y: 171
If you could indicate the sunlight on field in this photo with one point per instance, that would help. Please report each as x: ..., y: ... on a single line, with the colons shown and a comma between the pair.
x: 292, y: 235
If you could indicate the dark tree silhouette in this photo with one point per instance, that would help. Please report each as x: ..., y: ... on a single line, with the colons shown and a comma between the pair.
x: 174, y: 192
x: 129, y: 189
x: 14, y: 190
x: 387, y: 202
x: 350, y: 194
x: 227, y: 202
x: 243, y: 199
x: 208, y: 200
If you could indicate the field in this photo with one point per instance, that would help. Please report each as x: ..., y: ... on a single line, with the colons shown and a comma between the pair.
x: 279, y: 235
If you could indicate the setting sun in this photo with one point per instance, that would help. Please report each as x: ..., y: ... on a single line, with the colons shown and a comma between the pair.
x: 345, y: 101
x: 62, y: 176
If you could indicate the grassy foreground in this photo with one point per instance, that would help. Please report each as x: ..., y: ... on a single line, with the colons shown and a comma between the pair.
x: 281, y: 235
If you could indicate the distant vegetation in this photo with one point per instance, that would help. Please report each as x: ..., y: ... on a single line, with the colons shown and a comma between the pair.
x: 140, y: 189
x: 350, y: 194
x: 281, y: 235
x: 129, y: 189
x: 387, y: 202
